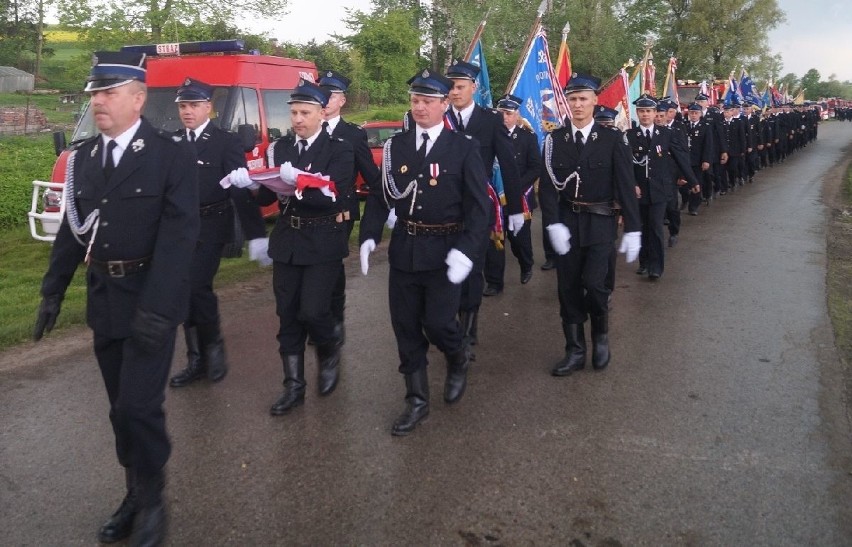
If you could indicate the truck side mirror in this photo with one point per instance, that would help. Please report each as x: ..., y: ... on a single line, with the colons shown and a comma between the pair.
x: 248, y: 136
x: 59, y: 143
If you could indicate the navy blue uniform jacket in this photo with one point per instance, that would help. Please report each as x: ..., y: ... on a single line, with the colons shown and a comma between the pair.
x: 606, y: 175
x: 459, y: 195
x: 312, y: 244
x: 666, y: 154
x: 149, y: 208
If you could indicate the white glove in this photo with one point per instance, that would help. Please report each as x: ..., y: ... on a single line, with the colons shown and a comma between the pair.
x: 516, y: 222
x: 366, y: 248
x: 239, y: 177
x: 631, y: 242
x: 289, y: 173
x: 259, y: 250
x: 326, y: 191
x: 391, y: 221
x: 459, y: 266
x: 560, y: 238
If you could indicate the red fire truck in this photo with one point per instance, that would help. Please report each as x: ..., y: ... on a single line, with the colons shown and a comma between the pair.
x: 250, y: 99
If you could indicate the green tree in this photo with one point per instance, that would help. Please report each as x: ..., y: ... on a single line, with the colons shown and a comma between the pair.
x: 123, y: 20
x: 21, y: 34
x: 810, y: 82
x: 712, y: 38
x: 385, y: 52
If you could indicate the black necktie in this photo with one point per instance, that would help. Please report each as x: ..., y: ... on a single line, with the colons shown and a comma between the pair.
x: 421, y: 152
x: 192, y: 136
x: 460, y: 125
x: 578, y: 141
x: 109, y: 164
x: 648, y: 137
x: 303, y: 145
x: 325, y: 127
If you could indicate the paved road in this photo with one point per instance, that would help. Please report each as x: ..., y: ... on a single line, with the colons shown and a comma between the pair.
x: 721, y: 420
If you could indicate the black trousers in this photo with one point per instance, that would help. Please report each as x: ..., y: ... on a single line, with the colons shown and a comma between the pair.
x: 303, y: 304
x: 495, y: 260
x: 338, y: 298
x: 582, y: 281
x: 652, y: 254
x: 423, y: 307
x: 673, y: 212
x: 135, y: 382
x: 472, y: 287
x: 705, y: 178
x: 203, y: 304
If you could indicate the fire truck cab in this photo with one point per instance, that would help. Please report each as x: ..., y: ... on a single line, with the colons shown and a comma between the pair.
x: 250, y: 99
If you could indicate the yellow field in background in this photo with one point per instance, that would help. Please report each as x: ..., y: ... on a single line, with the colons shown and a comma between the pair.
x: 60, y: 35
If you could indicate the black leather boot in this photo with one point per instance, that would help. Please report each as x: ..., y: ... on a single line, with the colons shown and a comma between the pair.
x: 416, y: 403
x: 213, y: 351
x: 149, y: 529
x: 457, y: 365
x: 328, y: 363
x: 294, y: 385
x: 600, y: 341
x: 468, y: 322
x: 575, y: 350
x: 195, y: 367
x: 120, y: 524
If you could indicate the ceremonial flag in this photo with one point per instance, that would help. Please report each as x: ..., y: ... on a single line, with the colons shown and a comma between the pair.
x: 633, y: 92
x: 649, y: 78
x: 614, y: 95
x: 670, y: 85
x: 777, y: 98
x: 748, y: 91
x: 766, y: 98
x: 800, y: 97
x: 482, y: 97
x: 732, y: 94
x: 563, y: 60
x: 483, y: 83
x: 544, y: 105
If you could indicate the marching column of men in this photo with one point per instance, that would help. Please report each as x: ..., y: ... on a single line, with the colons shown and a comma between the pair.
x: 137, y: 197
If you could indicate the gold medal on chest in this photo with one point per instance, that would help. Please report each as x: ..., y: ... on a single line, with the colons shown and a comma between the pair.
x: 433, y: 182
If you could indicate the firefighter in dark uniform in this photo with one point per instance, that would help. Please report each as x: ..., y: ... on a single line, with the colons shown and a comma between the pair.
x: 528, y: 159
x: 586, y: 172
x: 132, y: 218
x: 339, y: 128
x: 658, y: 153
x: 701, y: 154
x: 735, y: 135
x: 486, y: 126
x: 673, y: 121
x: 308, y: 244
x: 711, y: 117
x: 604, y: 116
x: 218, y: 153
x: 435, y: 179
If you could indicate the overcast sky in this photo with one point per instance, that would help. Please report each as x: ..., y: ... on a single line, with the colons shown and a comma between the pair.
x: 817, y: 33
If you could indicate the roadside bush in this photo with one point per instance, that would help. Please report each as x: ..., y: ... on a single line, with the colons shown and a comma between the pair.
x: 24, y: 159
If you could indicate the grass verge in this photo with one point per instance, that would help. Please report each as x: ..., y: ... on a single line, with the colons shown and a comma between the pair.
x: 23, y: 262
x: 840, y: 269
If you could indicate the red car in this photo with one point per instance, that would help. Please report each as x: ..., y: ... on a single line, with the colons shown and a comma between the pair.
x: 377, y: 134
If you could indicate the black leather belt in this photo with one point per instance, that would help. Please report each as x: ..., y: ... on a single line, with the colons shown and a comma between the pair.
x: 213, y: 208
x: 308, y: 222
x: 418, y: 229
x: 120, y: 268
x: 604, y: 208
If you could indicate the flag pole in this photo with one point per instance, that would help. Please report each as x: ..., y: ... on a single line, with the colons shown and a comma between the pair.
x: 536, y: 25
x: 476, y: 36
